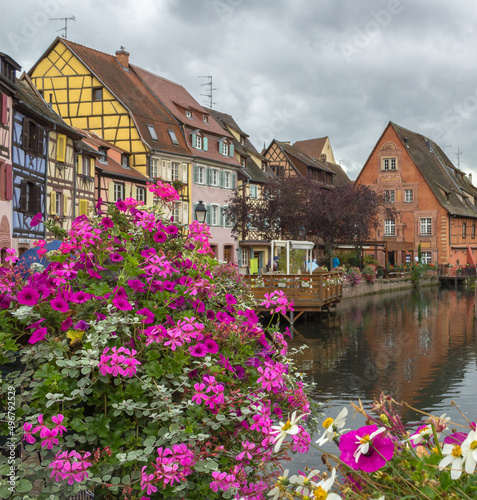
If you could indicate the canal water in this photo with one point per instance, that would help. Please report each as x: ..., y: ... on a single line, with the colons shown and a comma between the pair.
x: 418, y: 346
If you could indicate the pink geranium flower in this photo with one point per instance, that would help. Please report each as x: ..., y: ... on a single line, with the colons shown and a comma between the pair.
x: 367, y: 449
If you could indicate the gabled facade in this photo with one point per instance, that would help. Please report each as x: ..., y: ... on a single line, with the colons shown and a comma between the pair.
x: 286, y: 160
x: 101, y: 93
x: 436, y: 202
x: 8, y: 68
x: 214, y: 169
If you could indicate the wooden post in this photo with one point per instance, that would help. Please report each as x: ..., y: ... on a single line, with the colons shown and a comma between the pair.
x: 475, y: 305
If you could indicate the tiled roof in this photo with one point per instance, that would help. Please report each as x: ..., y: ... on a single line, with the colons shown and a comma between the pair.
x: 301, y: 159
x: 439, y: 172
x: 125, y: 85
x: 115, y: 169
x: 314, y: 147
x: 177, y: 100
x: 340, y: 178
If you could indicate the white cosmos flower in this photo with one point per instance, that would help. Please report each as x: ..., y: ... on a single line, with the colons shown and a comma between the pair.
x: 283, y: 429
x: 454, y: 458
x: 363, y: 442
x: 469, y: 452
x: 322, y: 488
x: 333, y: 426
x: 305, y: 483
x: 276, y: 492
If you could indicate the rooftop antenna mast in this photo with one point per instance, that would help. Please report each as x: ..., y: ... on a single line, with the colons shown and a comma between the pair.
x: 458, y: 154
x: 211, y: 89
x: 65, y: 19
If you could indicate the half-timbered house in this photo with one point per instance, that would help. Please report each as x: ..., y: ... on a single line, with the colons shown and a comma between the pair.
x: 8, y: 68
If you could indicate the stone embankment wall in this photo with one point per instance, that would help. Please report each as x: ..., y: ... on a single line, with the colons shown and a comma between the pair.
x: 382, y: 286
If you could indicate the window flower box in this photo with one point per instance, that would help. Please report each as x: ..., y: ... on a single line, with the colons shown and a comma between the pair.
x: 305, y: 284
x: 258, y: 283
x: 282, y: 283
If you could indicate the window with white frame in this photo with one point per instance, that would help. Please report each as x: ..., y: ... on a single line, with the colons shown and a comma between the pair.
x: 140, y: 194
x: 225, y: 149
x: 189, y: 114
x: 473, y: 230
x: 118, y: 191
x: 177, y: 212
x: 408, y: 196
x: 214, y: 177
x: 58, y: 207
x: 244, y: 257
x: 154, y: 168
x: 201, y: 175
x: 253, y: 191
x: 389, y: 196
x: 426, y: 226
x: 426, y: 257
x: 176, y: 171
x: 227, y: 180
x: 389, y: 163
x: 464, y: 230
x: 389, y: 227
x: 214, y: 215
x: 198, y: 142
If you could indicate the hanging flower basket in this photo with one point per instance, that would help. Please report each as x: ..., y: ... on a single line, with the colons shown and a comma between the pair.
x: 282, y: 283
x: 305, y: 284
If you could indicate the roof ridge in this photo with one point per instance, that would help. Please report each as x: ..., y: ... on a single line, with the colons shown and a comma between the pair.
x: 158, y: 76
x: 85, y: 47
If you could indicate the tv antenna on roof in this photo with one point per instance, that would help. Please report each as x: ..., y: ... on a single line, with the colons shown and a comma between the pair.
x: 65, y: 19
x: 210, y: 89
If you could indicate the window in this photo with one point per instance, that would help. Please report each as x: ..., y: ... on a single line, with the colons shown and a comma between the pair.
x: 227, y: 180
x: 176, y: 174
x: 389, y: 163
x: 118, y: 191
x: 242, y: 140
x: 140, y: 194
x: 152, y: 132
x: 244, y: 161
x: 214, y: 215
x: 244, y: 257
x: 426, y: 257
x: 214, y: 177
x: 4, y: 110
x: 205, y: 118
x: 389, y: 227
x: 464, y: 229
x: 58, y: 207
x: 473, y: 230
x: 154, y: 173
x: 225, y: 149
x: 426, y: 226
x: 253, y: 191
x: 97, y: 94
x: 32, y: 137
x: 389, y: 196
x: 125, y: 161
x: 200, y: 174
x: 198, y: 142
x: 30, y: 197
x: 173, y: 137
x: 104, y: 154
x: 189, y: 114
x: 408, y: 196
x: 86, y: 170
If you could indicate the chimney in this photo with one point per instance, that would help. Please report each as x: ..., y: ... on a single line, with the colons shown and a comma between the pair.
x: 123, y: 57
x: 406, y: 140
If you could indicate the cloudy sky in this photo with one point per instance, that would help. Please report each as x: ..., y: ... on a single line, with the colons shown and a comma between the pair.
x: 290, y: 69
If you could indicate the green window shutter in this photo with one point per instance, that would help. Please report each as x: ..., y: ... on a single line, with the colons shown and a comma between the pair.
x: 194, y: 141
x: 221, y: 147
x: 221, y: 178
x: 234, y: 180
x: 231, y: 150
x: 196, y: 174
x: 208, y: 176
x: 205, y: 142
x: 239, y: 256
x: 208, y: 217
x: 222, y: 217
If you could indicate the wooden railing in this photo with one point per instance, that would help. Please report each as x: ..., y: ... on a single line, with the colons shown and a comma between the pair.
x: 309, y: 292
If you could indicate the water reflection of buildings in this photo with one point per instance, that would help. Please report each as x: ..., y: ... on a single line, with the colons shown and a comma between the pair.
x: 411, y: 345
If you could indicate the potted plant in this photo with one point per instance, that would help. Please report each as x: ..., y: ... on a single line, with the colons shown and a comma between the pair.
x: 282, y: 282
x: 305, y: 282
x: 258, y: 282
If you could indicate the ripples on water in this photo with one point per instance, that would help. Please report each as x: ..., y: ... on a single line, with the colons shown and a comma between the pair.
x: 419, y: 347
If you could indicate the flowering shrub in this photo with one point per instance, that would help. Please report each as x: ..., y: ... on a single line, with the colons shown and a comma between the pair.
x: 139, y: 368
x: 385, y: 460
x: 353, y: 276
x: 369, y: 273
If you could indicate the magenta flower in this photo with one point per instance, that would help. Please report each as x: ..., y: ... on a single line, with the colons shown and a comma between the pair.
x: 172, y: 230
x: 28, y: 436
x: 120, y: 205
x: 94, y: 274
x: 80, y: 297
x: 107, y: 223
x: 58, y: 419
x: 36, y: 323
x: 58, y: 304
x: 122, y: 304
x: 137, y: 285
x: 366, y: 449
x: 231, y: 300
x: 66, y: 324
x: 199, y: 350
x: 36, y: 219
x: 37, y: 335
x: 81, y: 325
x: 120, y: 362
x: 149, y: 315
x: 211, y: 346
x: 159, y: 237
x: 116, y: 257
x: 50, y: 438
x: 28, y: 296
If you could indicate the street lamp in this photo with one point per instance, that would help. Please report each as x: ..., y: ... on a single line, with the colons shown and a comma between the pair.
x: 302, y: 232
x: 200, y: 212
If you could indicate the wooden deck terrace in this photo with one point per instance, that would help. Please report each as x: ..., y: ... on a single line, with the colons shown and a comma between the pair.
x: 309, y: 292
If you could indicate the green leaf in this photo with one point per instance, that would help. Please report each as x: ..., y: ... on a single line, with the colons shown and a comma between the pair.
x: 23, y: 486
x: 126, y: 479
x: 115, y: 480
x: 4, y: 491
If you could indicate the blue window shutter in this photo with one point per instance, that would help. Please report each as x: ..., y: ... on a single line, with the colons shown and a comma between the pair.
x: 206, y: 143
x: 231, y: 150
x: 221, y: 147
x: 234, y: 180
x: 196, y: 174
x: 221, y: 178
x: 194, y: 141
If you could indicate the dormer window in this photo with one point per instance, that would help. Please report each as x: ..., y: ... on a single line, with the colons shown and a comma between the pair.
x: 199, y: 141
x: 173, y: 137
x: 242, y: 140
x: 244, y: 161
x: 205, y: 118
x: 189, y: 114
x: 152, y: 132
x: 125, y: 161
x: 104, y: 154
x: 225, y: 148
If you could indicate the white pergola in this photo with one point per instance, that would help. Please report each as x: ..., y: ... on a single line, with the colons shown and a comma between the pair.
x: 292, y: 245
